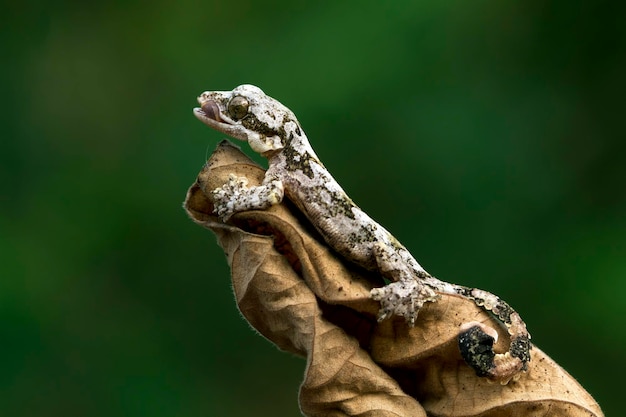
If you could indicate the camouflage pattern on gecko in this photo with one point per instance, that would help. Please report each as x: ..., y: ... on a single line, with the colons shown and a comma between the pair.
x: 271, y: 129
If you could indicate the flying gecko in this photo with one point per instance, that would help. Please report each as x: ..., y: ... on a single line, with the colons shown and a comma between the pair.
x: 272, y: 130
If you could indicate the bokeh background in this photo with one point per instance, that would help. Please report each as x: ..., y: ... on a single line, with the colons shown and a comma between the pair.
x: 489, y: 136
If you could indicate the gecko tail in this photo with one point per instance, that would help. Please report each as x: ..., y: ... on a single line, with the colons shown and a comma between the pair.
x: 476, y: 340
x: 476, y: 347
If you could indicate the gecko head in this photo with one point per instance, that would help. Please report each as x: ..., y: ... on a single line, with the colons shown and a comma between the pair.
x: 247, y: 113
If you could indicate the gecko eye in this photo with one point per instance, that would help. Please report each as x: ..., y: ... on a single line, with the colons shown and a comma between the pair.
x: 238, y: 107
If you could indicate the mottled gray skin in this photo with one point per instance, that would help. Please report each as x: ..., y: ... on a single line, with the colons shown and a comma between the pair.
x: 271, y: 129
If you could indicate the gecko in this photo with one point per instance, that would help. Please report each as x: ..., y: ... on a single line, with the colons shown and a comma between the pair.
x: 246, y: 113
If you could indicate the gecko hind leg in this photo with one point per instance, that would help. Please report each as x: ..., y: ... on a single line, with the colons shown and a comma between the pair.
x: 408, y: 292
x: 403, y: 298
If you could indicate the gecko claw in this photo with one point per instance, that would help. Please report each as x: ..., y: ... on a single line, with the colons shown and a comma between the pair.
x: 224, y: 197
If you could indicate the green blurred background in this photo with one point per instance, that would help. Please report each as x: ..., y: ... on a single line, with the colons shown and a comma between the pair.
x: 488, y: 136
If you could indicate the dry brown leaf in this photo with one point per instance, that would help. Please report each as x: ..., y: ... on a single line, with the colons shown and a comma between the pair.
x: 302, y: 297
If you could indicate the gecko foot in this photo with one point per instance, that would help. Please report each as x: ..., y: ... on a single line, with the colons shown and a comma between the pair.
x: 403, y: 298
x: 236, y: 196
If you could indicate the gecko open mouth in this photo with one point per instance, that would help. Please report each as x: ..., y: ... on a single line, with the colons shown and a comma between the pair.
x: 211, y: 110
x: 210, y: 113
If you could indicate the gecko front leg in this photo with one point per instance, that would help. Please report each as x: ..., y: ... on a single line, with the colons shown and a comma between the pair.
x: 236, y: 196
